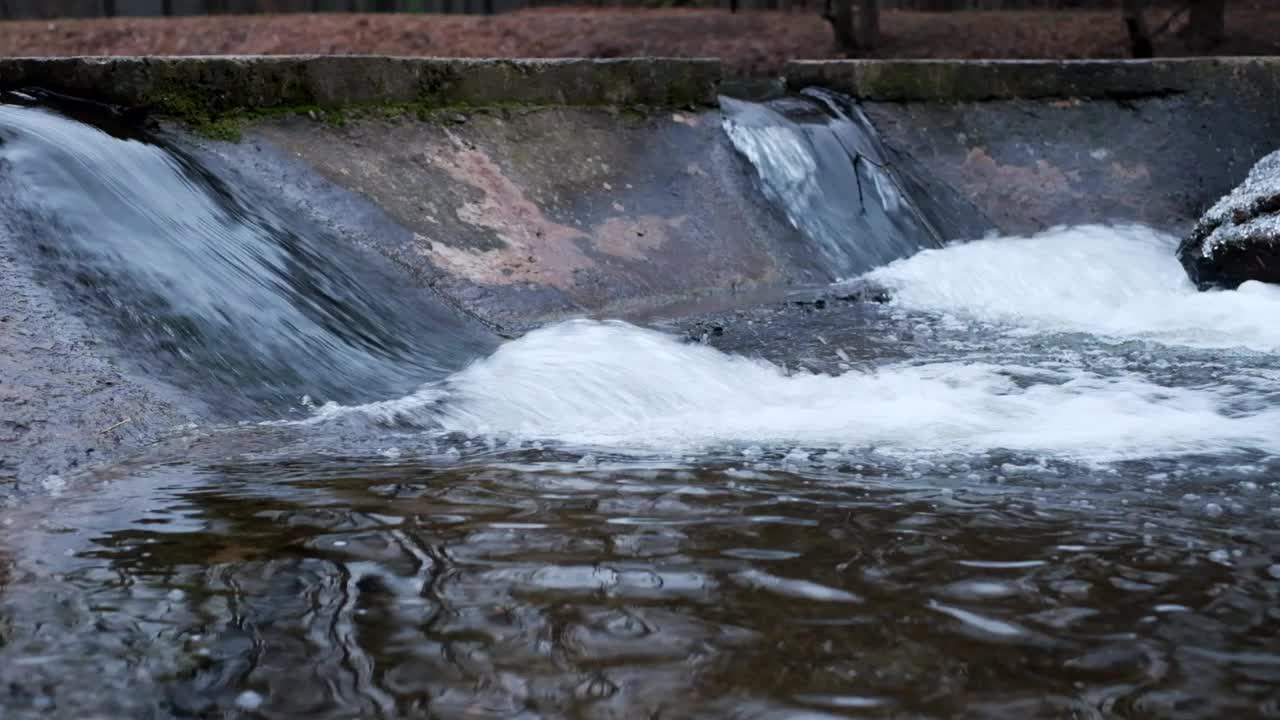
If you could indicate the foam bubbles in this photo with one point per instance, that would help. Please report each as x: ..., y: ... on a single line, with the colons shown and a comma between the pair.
x: 249, y: 701
x: 1121, y: 282
x: 612, y: 384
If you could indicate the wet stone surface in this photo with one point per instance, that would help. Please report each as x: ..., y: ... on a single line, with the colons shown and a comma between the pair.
x: 1238, y: 239
x: 64, y: 401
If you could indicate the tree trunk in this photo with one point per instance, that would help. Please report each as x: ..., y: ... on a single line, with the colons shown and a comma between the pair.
x: 109, y: 8
x: 1136, y: 25
x: 1208, y: 24
x: 869, y: 24
x: 840, y: 14
x: 166, y: 7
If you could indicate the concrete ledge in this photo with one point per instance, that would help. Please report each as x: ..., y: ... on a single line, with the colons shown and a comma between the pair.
x: 978, y: 80
x: 196, y: 88
x: 199, y: 89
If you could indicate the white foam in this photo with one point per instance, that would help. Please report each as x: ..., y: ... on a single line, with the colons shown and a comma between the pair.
x: 1119, y: 282
x: 616, y: 385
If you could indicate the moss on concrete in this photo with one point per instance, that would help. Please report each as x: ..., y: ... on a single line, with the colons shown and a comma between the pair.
x: 230, y: 125
x: 217, y: 95
x: 981, y: 80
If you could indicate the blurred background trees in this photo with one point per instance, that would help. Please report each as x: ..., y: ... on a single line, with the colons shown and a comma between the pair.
x: 752, y: 36
x: 1203, y: 13
x: 1202, y: 28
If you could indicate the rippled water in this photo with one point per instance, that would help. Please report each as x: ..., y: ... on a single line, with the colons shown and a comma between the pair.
x: 1008, y: 493
x: 539, y: 583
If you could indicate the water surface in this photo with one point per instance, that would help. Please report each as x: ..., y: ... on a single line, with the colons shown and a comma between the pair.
x: 1011, y: 492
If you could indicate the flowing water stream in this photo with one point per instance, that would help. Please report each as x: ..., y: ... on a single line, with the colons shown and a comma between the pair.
x: 1043, y: 481
x: 860, y: 203
x: 214, y: 284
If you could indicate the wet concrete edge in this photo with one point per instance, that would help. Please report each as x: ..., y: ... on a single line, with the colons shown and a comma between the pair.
x: 193, y: 88
x: 183, y: 86
x: 986, y: 80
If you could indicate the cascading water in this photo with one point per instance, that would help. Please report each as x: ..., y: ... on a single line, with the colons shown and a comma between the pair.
x: 1040, y: 481
x: 859, y: 203
x: 241, y: 300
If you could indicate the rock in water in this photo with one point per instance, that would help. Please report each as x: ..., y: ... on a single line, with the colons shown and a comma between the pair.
x: 1239, y: 238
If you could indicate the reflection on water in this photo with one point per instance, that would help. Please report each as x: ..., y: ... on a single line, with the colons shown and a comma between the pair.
x: 533, y: 583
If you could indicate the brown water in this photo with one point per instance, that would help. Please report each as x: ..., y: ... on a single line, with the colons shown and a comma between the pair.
x: 535, y: 583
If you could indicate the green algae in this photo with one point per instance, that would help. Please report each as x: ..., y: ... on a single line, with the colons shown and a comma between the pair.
x: 229, y: 125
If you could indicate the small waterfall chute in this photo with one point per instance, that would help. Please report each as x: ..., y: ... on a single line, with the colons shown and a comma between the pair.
x: 228, y: 292
x: 860, y: 203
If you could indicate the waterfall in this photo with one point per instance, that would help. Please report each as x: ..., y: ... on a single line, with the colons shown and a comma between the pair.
x: 859, y: 202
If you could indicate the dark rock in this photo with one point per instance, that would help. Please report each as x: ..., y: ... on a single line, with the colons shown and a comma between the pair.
x: 866, y: 293
x: 859, y: 290
x: 1239, y: 238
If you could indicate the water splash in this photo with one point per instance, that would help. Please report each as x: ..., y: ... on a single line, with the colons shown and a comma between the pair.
x: 1122, y: 283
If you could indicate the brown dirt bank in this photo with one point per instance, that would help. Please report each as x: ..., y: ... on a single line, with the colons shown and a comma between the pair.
x: 751, y: 43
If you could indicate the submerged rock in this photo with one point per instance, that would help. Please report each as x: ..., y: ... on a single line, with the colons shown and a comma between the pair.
x: 1239, y: 238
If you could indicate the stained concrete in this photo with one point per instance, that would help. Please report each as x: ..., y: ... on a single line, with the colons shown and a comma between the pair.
x: 525, y: 191
x: 522, y: 216
x: 66, y: 402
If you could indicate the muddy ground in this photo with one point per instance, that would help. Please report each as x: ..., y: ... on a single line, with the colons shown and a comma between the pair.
x: 751, y: 43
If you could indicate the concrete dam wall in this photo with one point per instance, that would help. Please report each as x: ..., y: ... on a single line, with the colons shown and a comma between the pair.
x: 379, y: 221
x: 528, y: 190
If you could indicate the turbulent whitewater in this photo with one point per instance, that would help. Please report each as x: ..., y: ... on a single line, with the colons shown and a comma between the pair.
x: 1122, y: 283
x: 1064, y: 299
